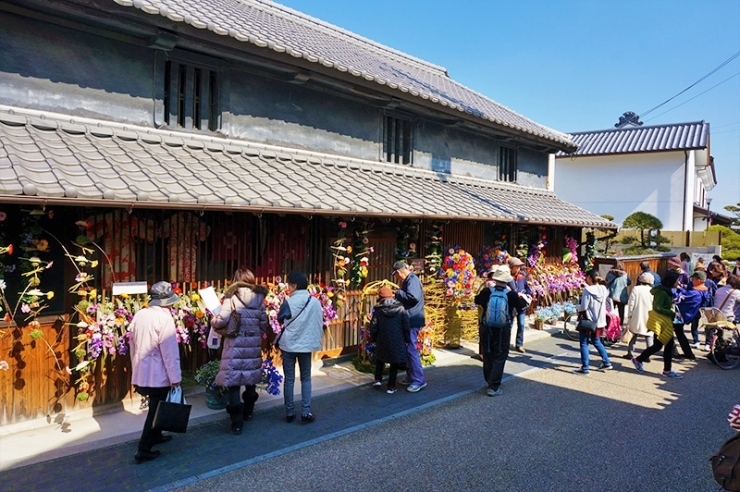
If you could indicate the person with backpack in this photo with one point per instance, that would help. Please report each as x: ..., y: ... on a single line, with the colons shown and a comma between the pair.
x: 593, y: 307
x: 499, y: 308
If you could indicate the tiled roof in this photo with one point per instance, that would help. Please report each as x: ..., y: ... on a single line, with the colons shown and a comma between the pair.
x: 658, y: 138
x: 95, y: 163
x: 272, y: 26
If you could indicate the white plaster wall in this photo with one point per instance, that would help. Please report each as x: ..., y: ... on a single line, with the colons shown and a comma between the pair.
x: 619, y: 185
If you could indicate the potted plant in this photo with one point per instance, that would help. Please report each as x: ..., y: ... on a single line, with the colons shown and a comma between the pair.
x: 216, y: 396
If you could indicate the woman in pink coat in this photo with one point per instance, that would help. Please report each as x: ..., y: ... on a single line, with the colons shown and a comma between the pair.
x: 155, y: 361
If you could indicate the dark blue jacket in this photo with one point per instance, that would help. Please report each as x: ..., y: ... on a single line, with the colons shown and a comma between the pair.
x: 411, y: 295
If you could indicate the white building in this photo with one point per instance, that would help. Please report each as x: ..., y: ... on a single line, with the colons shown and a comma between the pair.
x: 663, y: 170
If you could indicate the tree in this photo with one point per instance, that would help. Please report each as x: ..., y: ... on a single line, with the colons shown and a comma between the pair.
x: 730, y: 242
x: 645, y: 223
x: 735, y: 210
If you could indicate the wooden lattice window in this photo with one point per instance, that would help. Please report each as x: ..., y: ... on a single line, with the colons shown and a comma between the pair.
x: 398, y: 140
x: 507, y: 164
x: 190, y: 96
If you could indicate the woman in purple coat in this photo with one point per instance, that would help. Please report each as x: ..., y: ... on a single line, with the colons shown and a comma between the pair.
x: 241, y: 358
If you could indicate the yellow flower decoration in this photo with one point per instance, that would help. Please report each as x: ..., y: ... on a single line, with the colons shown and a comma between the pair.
x: 50, y: 294
x: 195, y: 297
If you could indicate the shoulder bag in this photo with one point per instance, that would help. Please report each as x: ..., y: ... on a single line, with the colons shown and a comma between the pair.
x: 726, y: 464
x: 235, y: 321
x: 290, y: 322
x: 588, y: 326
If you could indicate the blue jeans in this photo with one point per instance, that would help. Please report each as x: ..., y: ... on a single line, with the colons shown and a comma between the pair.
x: 584, y: 338
x: 414, y: 372
x: 521, y: 324
x: 304, y: 363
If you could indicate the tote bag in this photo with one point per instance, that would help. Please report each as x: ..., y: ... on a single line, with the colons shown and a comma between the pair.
x: 172, y: 414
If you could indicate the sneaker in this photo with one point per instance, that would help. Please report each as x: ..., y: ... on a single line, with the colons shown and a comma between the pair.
x: 696, y: 345
x: 706, y: 347
x: 416, y: 387
x: 308, y: 418
x: 605, y: 367
x: 672, y: 374
x: 377, y: 383
x: 391, y: 390
x: 405, y: 382
x: 638, y: 365
x: 520, y: 350
x: 493, y: 392
x: 580, y: 370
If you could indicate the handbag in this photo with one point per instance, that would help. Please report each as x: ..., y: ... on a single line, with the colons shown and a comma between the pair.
x: 235, y: 322
x: 173, y: 413
x: 726, y: 464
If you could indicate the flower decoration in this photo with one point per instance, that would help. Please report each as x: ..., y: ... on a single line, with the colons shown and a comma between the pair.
x: 545, y: 280
x: 424, y: 344
x: 271, y: 378
x: 590, y: 254
x: 276, y: 294
x: 191, y: 319
x: 360, y: 250
x: 536, y: 253
x: 327, y: 308
x: 492, y: 255
x: 407, y: 235
x: 458, y: 275
x: 433, y: 247
x: 570, y: 253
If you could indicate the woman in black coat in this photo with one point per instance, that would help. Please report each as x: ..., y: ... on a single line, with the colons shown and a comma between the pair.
x: 390, y: 330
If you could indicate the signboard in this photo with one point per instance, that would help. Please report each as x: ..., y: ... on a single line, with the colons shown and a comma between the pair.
x: 416, y: 264
x: 129, y: 288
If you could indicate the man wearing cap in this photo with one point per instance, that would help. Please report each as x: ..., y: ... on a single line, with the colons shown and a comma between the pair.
x: 155, y: 361
x: 689, y: 302
x: 495, y: 342
x: 521, y: 288
x: 411, y: 295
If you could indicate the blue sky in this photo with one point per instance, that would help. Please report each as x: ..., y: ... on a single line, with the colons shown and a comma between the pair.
x: 575, y: 65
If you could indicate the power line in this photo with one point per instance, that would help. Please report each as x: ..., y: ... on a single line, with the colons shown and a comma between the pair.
x: 692, y: 85
x: 681, y: 104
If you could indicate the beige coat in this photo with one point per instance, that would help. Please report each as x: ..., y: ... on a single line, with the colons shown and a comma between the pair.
x: 640, y: 303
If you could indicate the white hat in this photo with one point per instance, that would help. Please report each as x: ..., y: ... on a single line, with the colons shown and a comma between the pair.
x: 503, y: 274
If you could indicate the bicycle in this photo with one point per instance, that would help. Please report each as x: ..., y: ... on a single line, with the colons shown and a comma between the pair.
x: 723, y: 337
x: 569, y: 330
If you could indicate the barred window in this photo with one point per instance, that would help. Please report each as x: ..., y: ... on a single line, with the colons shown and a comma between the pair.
x: 190, y: 97
x: 398, y: 139
x: 507, y: 164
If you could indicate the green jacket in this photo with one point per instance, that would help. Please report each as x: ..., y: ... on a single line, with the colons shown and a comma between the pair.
x: 663, y: 300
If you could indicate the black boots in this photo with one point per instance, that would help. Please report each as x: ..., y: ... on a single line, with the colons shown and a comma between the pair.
x: 249, y: 399
x: 237, y: 418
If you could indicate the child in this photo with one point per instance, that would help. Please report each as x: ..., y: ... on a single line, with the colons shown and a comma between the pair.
x: 390, y: 330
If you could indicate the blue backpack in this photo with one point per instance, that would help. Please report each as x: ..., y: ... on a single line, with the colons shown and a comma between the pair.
x: 497, y: 311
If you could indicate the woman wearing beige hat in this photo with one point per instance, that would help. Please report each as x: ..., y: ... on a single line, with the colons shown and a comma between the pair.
x: 640, y: 303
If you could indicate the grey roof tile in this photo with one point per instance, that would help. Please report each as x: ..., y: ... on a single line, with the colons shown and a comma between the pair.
x: 274, y: 27
x: 657, y: 138
x: 181, y: 173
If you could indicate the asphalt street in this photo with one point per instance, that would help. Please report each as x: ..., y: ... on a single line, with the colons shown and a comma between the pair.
x: 551, y: 430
